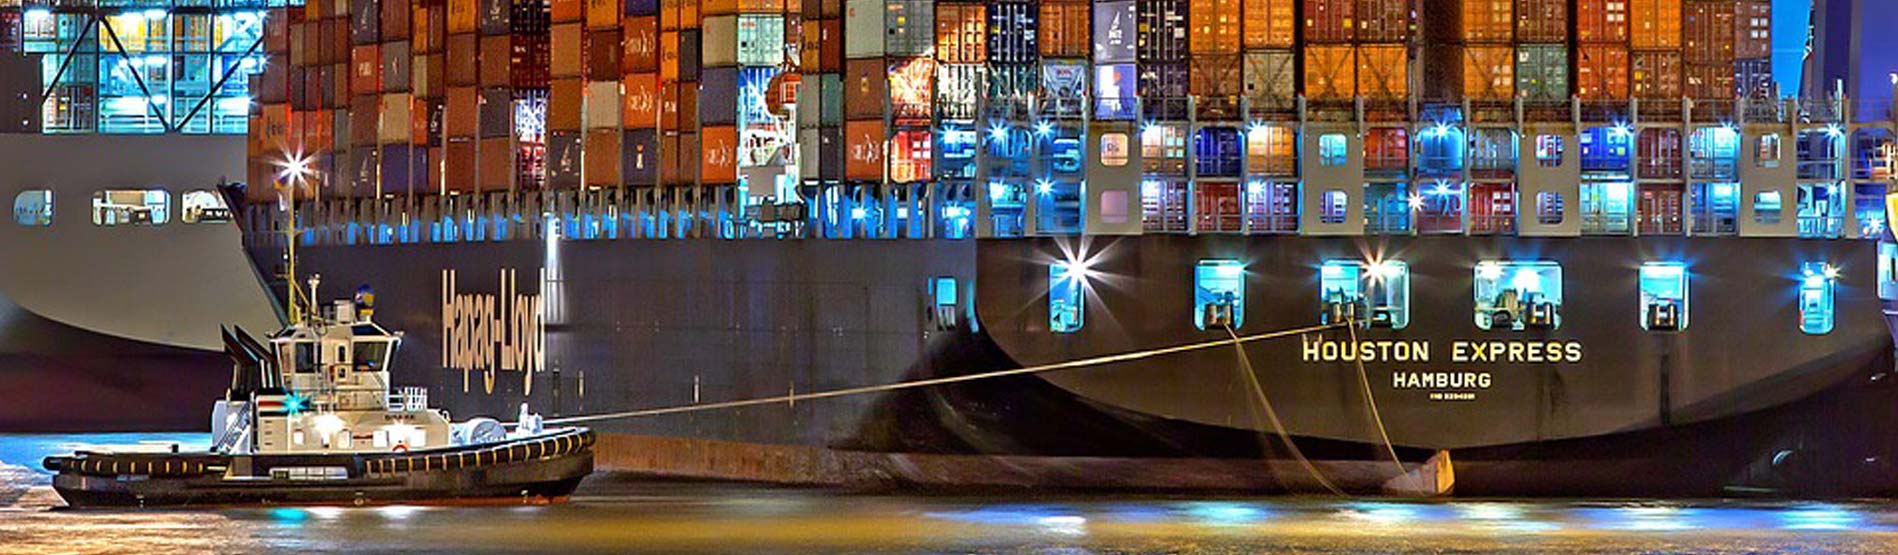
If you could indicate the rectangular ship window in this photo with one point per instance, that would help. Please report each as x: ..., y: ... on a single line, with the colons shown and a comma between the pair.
x: 1518, y: 295
x: 1065, y: 299
x: 1219, y: 294
x: 1815, y: 297
x: 1549, y: 150
x: 1663, y: 296
x: 1766, y: 207
x: 1332, y: 206
x: 1331, y: 149
x: 1377, y: 292
x: 131, y: 207
x: 1767, y: 153
x: 33, y: 208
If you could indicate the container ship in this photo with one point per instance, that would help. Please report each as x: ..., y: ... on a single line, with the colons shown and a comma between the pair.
x: 1574, y: 246
x: 116, y: 125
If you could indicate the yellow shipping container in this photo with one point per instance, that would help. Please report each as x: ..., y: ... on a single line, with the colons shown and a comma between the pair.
x: 1489, y: 73
x: 1269, y: 23
x: 1384, y: 72
x: 1655, y: 24
x: 1330, y: 72
x: 1215, y: 26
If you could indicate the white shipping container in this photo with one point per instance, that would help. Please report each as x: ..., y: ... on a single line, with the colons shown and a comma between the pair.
x: 958, y: 90
x: 911, y: 28
x: 760, y: 40
x: 1065, y: 79
x: 719, y: 47
x: 863, y: 28
x: 602, y: 105
x: 1115, y: 32
x: 807, y: 150
x: 395, y: 126
x: 418, y: 77
x: 1271, y: 79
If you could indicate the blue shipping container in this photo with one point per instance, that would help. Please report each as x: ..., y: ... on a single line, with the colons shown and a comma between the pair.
x: 1012, y: 32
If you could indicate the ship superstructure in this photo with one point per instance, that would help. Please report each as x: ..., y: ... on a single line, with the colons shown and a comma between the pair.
x: 1535, y: 232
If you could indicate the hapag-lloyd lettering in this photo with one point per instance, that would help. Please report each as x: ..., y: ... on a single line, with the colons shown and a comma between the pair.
x: 490, y: 333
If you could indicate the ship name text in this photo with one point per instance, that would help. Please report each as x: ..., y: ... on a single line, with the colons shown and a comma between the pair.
x: 486, y: 333
x: 1318, y: 349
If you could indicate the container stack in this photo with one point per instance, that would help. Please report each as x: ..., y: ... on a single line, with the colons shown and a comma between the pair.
x: 1753, y: 51
x: 820, y: 108
x: 1711, y: 32
x: 1161, y: 56
x: 1065, y: 43
x: 640, y: 101
x: 1656, y: 67
x: 1486, y: 57
x: 566, y: 93
x: 1542, y: 51
x: 601, y: 49
x: 961, y: 86
x: 908, y: 145
x: 428, y: 42
x: 1601, y: 61
x: 1270, y: 72
x: 1216, y: 83
x: 765, y: 139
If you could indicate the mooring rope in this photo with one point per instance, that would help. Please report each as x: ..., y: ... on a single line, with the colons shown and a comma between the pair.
x: 794, y: 397
x: 1273, y: 415
x: 1371, y: 402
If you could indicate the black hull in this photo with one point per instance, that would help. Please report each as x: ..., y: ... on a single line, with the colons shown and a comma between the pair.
x: 58, y: 378
x: 526, y: 472
x: 1721, y: 408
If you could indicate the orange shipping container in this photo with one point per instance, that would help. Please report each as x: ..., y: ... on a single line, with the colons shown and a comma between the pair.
x: 1383, y: 72
x: 567, y: 11
x: 863, y: 150
x: 1656, y: 75
x: 601, y: 162
x: 463, y: 112
x: 1269, y: 23
x: 496, y: 53
x: 639, y: 101
x: 564, y: 50
x: 1214, y: 26
x: 1655, y: 24
x: 718, y: 7
x: 1384, y: 20
x: 1330, y: 20
x: 365, y: 74
x: 668, y: 15
x: 669, y: 56
x: 565, y: 103
x: 639, y: 52
x: 497, y: 164
x: 1542, y: 20
x: 459, y: 164
x: 1330, y: 72
x: 603, y: 14
x: 1602, y: 72
x: 1489, y: 73
x: 866, y: 88
x: 961, y: 35
x: 1063, y: 31
x: 1601, y: 20
x: 718, y: 155
x: 461, y: 16
x: 1489, y: 20
x: 762, y: 6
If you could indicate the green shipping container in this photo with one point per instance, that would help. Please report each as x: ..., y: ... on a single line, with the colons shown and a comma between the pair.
x: 760, y: 40
x: 1542, y: 72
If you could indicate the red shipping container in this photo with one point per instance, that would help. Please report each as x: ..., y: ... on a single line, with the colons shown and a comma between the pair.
x: 1214, y: 26
x: 1542, y: 20
x: 427, y: 29
x: 567, y: 11
x: 460, y: 163
x: 1330, y: 20
x: 601, y: 162
x: 365, y: 113
x: 1710, y: 82
x: 1656, y: 75
x: 1659, y: 153
x: 565, y: 104
x: 1489, y: 20
x: 463, y: 112
x: 1755, y: 39
x: 464, y: 69
x: 395, y: 19
x: 910, y: 156
x: 496, y: 55
x: 1601, y: 20
x: 669, y: 158
x: 668, y: 105
x: 1384, y: 20
x: 603, y: 47
x: 1386, y: 148
x: 497, y: 164
x: 640, y: 48
x: 718, y: 155
x: 639, y: 101
x: 277, y: 27
x: 1064, y: 32
x: 961, y: 34
x: 365, y: 74
x: 1655, y: 24
x: 1270, y: 23
x: 1602, y: 72
x: 866, y: 88
x: 1709, y: 33
x: 863, y: 150
x: 830, y: 53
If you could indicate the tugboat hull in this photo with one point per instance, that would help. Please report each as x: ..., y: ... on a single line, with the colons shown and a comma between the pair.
x: 538, y: 470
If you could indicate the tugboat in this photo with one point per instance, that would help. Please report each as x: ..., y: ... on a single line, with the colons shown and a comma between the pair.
x: 311, y: 419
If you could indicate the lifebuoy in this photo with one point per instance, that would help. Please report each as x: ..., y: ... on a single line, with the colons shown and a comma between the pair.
x: 400, y: 448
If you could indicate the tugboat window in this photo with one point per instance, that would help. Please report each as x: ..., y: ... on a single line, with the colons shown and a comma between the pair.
x: 204, y: 207
x: 1815, y: 297
x: 33, y: 208
x: 131, y: 207
x: 371, y: 356
x: 1378, y: 293
x: 1065, y: 300
x: 1219, y: 294
x: 1518, y: 295
x: 1663, y: 296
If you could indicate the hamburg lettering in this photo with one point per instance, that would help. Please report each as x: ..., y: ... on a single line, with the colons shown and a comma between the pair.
x: 489, y: 333
x: 1440, y: 380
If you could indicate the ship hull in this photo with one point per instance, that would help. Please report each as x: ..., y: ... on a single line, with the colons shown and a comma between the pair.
x: 1739, y: 401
